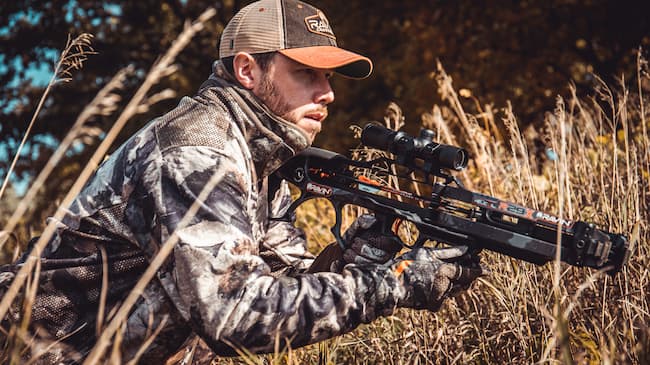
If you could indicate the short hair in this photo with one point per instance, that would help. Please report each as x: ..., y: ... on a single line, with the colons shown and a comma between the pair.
x: 262, y: 59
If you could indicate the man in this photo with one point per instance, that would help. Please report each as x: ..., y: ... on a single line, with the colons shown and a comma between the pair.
x: 237, y: 278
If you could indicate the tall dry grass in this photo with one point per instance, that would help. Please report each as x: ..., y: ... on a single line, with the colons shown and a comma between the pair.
x: 26, y: 279
x: 590, y: 161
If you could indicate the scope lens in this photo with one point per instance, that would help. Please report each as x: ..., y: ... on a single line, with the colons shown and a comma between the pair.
x: 453, y: 157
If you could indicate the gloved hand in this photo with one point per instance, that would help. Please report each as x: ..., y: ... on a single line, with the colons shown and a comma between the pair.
x: 429, y: 275
x: 365, y: 245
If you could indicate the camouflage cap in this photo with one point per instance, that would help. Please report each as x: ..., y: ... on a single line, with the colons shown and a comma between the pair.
x: 295, y: 29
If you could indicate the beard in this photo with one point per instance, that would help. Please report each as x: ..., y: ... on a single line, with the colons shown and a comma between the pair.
x: 273, y: 100
x: 278, y: 104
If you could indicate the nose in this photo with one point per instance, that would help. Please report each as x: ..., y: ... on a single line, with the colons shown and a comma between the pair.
x: 324, y: 94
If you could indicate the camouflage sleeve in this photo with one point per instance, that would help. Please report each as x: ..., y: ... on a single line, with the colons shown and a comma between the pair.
x: 225, y: 290
x: 284, y: 245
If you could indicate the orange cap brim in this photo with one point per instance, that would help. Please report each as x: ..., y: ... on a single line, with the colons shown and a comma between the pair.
x: 346, y: 63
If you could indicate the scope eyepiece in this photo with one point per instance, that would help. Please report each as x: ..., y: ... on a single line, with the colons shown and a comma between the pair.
x: 395, y: 142
x: 407, y: 148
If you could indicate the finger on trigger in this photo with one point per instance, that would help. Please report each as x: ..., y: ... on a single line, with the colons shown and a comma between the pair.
x: 390, y: 244
x: 366, y: 221
x: 373, y: 253
x: 353, y: 257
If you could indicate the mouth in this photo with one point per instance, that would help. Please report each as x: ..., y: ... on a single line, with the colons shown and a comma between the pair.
x: 316, y: 116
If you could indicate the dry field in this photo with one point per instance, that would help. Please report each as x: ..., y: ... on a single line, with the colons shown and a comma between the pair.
x: 590, y: 161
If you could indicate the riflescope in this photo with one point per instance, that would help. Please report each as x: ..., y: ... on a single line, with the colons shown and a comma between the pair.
x: 406, y: 147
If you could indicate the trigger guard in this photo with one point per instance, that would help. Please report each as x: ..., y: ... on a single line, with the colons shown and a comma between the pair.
x: 419, y: 242
x: 336, y: 228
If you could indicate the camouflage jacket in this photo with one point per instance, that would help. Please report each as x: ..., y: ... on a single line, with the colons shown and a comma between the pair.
x: 235, y: 278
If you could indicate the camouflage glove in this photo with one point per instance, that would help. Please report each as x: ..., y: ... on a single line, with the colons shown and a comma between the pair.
x: 429, y: 275
x: 365, y: 245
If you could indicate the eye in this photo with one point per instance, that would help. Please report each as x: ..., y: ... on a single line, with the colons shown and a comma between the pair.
x: 313, y: 74
x: 309, y: 72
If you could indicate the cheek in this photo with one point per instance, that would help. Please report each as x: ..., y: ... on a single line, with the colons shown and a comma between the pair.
x: 295, y: 94
x: 294, y: 116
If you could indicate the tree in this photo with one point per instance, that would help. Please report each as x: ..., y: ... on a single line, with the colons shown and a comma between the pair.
x: 126, y: 33
x: 500, y: 50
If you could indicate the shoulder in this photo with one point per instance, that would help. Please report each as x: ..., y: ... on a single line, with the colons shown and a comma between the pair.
x: 195, y: 164
x: 196, y: 121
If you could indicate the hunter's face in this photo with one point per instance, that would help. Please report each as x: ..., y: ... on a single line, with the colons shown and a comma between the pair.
x: 297, y: 93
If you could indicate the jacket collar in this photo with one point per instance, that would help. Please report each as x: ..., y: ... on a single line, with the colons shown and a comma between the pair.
x: 272, y: 140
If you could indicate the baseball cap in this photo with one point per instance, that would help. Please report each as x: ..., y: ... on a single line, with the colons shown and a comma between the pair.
x: 295, y: 29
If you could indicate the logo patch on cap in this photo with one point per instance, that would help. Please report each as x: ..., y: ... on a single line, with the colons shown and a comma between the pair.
x: 318, y: 24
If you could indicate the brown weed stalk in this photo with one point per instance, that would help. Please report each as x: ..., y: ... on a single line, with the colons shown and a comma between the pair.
x: 593, y: 166
x: 104, y: 103
x: 74, y: 54
x: 162, y: 68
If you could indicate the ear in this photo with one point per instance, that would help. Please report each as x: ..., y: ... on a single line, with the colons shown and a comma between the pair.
x: 244, y: 68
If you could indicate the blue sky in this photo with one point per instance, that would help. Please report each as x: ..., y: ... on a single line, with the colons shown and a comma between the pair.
x: 38, y: 74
